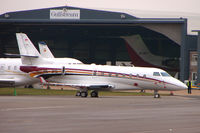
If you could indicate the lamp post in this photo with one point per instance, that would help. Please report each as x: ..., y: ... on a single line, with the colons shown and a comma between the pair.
x: 198, y: 53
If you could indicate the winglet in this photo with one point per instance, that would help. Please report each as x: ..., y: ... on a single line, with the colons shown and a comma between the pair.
x: 42, y: 80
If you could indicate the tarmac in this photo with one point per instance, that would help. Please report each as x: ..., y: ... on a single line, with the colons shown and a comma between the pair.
x: 116, y: 114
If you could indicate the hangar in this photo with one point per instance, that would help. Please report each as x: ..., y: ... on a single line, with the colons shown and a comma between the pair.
x: 95, y: 36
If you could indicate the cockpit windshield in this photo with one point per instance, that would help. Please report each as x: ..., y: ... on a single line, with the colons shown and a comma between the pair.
x: 164, y: 74
x: 156, y: 74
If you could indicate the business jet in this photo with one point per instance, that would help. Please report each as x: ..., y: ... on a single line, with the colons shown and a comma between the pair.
x: 93, y: 77
x: 12, y: 76
x: 46, y: 53
x: 141, y: 56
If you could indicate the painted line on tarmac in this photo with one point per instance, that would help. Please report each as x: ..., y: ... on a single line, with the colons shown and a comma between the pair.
x: 32, y: 108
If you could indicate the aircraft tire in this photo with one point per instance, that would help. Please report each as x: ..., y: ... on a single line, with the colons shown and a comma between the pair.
x: 94, y: 94
x: 157, y: 96
x: 78, y: 93
x: 84, y: 94
x: 29, y: 86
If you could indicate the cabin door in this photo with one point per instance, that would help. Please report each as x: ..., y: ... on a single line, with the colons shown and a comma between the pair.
x: 160, y: 83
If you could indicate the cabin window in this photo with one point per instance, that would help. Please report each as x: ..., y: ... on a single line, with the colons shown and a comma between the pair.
x: 156, y: 74
x: 9, y: 67
x: 15, y: 67
x: 164, y: 74
x: 2, y: 67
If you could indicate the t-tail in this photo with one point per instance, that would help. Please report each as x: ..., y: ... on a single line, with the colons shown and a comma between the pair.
x: 44, y: 50
x: 29, y: 54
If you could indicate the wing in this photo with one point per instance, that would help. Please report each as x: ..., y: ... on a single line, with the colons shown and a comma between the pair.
x: 88, y: 86
x: 7, y: 82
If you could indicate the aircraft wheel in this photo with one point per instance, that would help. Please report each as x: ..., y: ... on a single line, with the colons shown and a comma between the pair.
x: 84, y: 94
x: 30, y: 86
x: 156, y: 95
x: 94, y: 94
x: 78, y: 93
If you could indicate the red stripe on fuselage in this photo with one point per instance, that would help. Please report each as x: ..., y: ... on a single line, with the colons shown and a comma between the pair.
x: 28, y: 69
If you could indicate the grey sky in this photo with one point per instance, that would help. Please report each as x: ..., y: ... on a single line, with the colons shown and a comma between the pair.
x: 140, y: 8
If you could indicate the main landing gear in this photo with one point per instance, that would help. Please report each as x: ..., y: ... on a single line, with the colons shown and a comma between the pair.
x: 85, y: 94
x: 156, y: 94
x: 94, y: 94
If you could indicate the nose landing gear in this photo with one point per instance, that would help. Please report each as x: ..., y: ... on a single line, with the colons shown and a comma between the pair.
x: 156, y: 94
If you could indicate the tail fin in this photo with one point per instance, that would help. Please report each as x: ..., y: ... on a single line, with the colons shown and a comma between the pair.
x: 29, y: 54
x: 139, y: 52
x: 26, y: 47
x: 44, y: 50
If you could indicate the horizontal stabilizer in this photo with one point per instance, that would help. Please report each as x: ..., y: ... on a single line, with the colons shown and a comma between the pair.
x: 11, y: 55
x: 19, y: 55
x: 33, y: 56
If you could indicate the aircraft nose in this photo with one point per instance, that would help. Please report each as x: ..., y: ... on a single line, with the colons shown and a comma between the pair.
x: 180, y: 85
x: 183, y: 86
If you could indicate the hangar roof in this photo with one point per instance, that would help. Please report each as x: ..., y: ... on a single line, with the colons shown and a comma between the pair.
x: 66, y: 14
x: 66, y: 21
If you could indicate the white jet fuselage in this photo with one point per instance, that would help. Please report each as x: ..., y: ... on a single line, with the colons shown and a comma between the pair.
x: 10, y: 74
x: 117, y: 77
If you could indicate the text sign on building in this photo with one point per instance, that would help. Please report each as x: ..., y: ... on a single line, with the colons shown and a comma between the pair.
x: 65, y: 14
